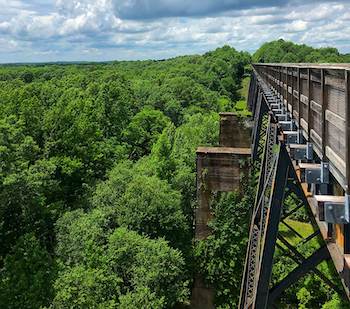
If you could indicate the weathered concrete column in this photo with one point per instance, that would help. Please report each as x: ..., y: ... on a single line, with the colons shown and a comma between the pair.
x: 219, y: 169
x: 234, y: 131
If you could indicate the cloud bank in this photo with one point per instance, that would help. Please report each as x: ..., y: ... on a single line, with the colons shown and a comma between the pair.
x: 98, y: 30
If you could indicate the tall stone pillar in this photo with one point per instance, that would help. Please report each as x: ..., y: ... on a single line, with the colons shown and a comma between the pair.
x: 219, y: 169
x: 234, y: 131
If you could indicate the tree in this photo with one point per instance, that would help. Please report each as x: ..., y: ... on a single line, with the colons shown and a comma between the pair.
x: 83, y: 287
x: 81, y: 236
x: 25, y: 182
x: 116, y: 100
x: 285, y: 51
x: 109, y: 192
x: 199, y: 129
x: 161, y: 153
x: 148, y: 264
x: 143, y: 131
x: 27, y: 76
x: 289, y: 58
x: 141, y: 298
x: 26, y: 276
x: 130, y: 269
x: 142, y: 203
x: 151, y: 207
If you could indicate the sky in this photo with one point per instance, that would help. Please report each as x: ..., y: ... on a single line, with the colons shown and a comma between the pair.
x: 102, y: 30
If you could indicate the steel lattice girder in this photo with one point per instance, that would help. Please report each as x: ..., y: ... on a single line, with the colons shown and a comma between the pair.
x: 277, y: 180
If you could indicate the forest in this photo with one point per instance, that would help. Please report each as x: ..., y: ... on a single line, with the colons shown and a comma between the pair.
x: 98, y: 182
x: 282, y: 51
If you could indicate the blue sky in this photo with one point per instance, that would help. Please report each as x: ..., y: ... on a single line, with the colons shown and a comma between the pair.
x: 99, y: 30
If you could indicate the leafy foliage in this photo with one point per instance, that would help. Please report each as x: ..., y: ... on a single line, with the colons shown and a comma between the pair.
x: 97, y: 177
x: 131, y: 265
x: 143, y: 131
x: 289, y: 52
x: 221, y: 256
x: 26, y: 276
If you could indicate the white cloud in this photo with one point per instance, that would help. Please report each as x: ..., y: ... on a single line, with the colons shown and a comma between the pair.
x: 297, y: 26
x: 73, y: 30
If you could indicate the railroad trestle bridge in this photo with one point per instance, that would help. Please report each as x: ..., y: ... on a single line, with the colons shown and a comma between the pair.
x: 300, y: 143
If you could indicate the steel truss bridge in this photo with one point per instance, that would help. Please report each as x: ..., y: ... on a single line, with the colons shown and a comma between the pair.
x: 301, y: 146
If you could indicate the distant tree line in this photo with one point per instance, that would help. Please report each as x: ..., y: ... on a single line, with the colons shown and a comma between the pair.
x: 282, y: 51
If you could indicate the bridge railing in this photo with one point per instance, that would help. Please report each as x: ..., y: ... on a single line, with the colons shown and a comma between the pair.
x: 310, y: 107
x: 318, y: 97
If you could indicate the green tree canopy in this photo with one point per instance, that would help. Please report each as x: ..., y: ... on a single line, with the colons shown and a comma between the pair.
x: 26, y: 275
x: 132, y: 266
x: 286, y: 51
x: 143, y: 131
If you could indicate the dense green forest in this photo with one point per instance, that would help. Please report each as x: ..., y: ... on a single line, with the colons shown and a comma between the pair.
x: 98, y: 177
x: 98, y: 182
x: 289, y: 52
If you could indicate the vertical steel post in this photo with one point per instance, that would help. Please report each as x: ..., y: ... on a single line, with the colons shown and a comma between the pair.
x: 286, y: 90
x: 292, y: 86
x: 347, y: 157
x: 275, y: 76
x: 282, y: 84
x: 309, y: 104
x: 279, y: 82
x: 299, y: 97
x: 287, y: 84
x: 324, y: 107
x: 347, y: 128
x: 324, y: 188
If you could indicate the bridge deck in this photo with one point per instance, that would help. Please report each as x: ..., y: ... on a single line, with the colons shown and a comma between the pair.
x: 317, y: 95
x: 317, y: 98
